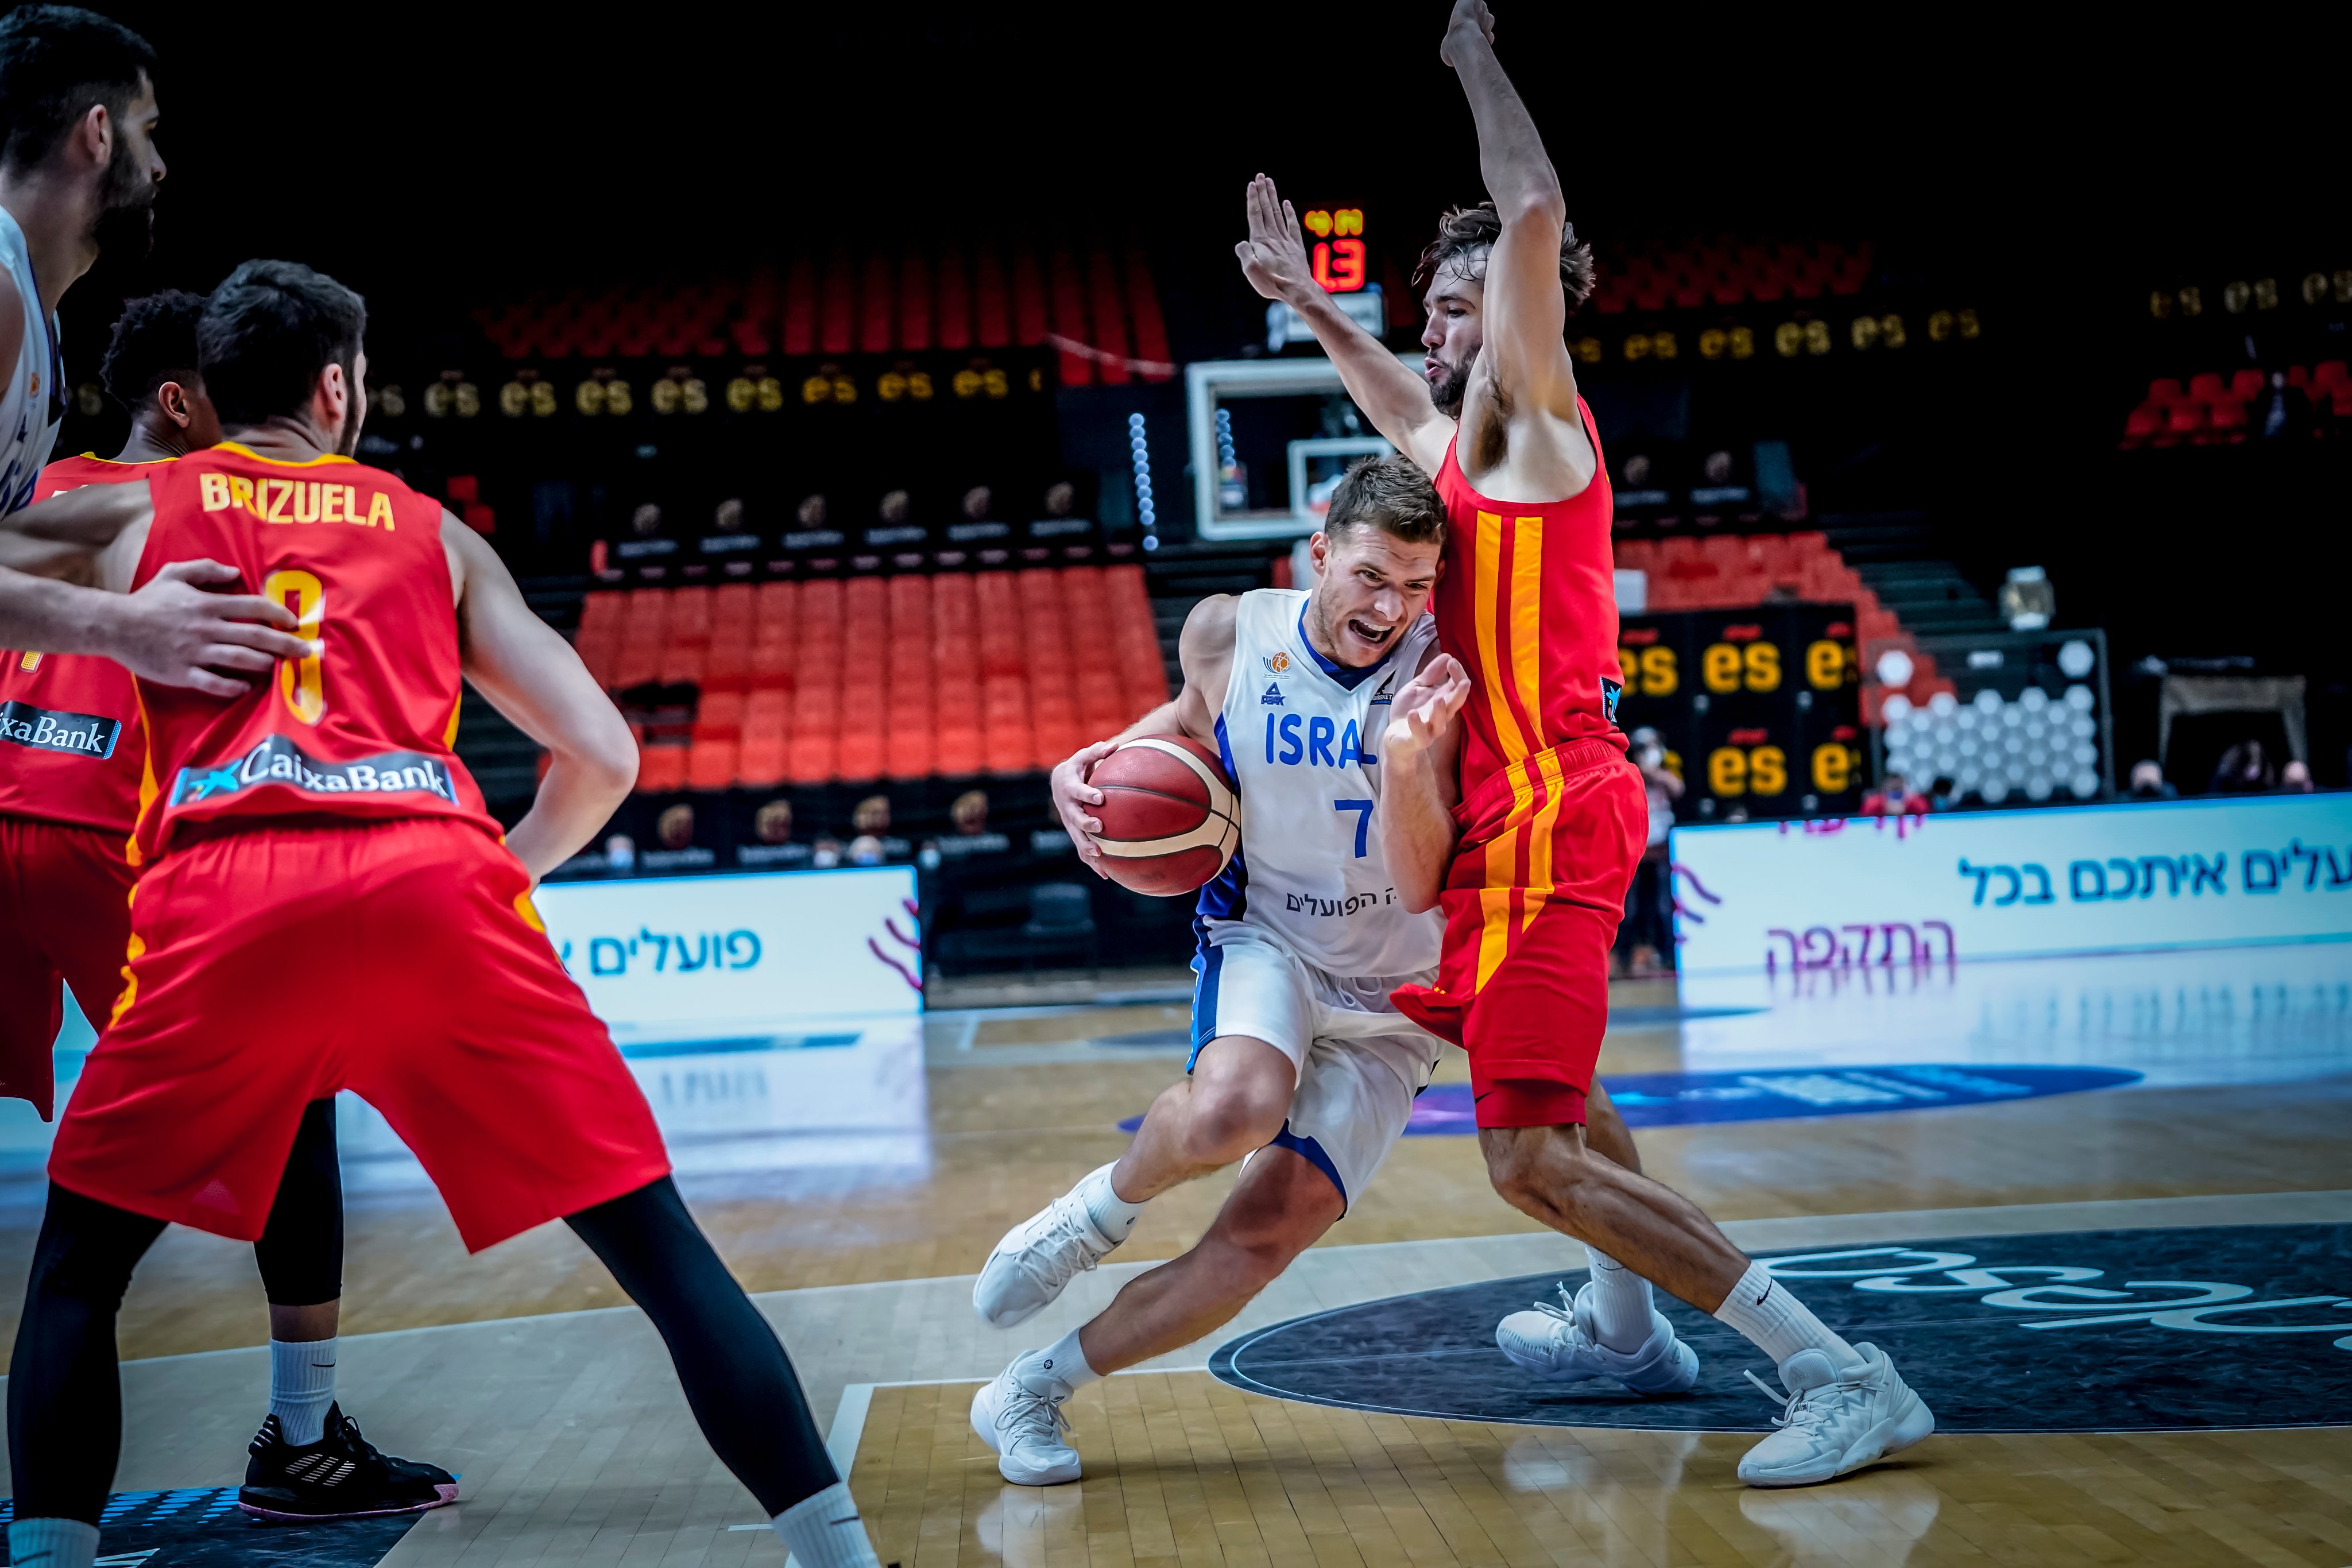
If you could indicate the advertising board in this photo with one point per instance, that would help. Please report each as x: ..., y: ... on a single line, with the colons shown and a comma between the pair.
x: 1860, y: 892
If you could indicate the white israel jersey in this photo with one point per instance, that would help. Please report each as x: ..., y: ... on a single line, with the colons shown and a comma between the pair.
x: 1300, y: 736
x: 31, y: 407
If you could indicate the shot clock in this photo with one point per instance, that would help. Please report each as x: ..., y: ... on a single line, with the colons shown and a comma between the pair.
x: 1335, y: 247
x: 1758, y: 707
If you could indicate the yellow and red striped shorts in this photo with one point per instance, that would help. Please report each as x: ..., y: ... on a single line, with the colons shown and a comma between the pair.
x: 1549, y: 849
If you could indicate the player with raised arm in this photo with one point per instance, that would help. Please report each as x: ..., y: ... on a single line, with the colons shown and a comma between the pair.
x: 79, y: 165
x: 327, y: 905
x: 1299, y: 1064
x: 1529, y: 843
x: 71, y: 756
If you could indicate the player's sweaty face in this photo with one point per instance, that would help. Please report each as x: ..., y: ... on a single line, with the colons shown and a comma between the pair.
x: 1369, y: 586
x: 1452, y: 337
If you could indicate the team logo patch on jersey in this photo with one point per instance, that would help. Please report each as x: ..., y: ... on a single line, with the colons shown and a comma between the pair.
x: 1273, y: 698
x: 277, y: 760
x: 1609, y: 692
x: 76, y: 734
x: 1277, y: 661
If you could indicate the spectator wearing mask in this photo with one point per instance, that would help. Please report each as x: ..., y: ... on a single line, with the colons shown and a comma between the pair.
x: 2244, y: 769
x: 1943, y: 795
x: 2148, y: 783
x: 1648, y: 932
x: 1894, y: 797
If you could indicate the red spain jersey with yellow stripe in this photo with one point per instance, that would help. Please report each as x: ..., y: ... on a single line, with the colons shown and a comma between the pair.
x: 1529, y: 604
x: 70, y: 747
x: 363, y: 730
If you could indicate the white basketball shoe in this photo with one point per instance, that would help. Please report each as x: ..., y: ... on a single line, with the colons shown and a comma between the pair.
x: 1557, y: 1343
x: 1036, y: 1259
x: 1025, y: 1428
x: 1836, y: 1420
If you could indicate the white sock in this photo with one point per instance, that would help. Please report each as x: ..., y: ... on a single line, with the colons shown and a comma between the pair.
x: 1762, y: 1308
x: 52, y: 1543
x: 823, y: 1531
x: 1112, y: 1215
x: 302, y: 1386
x: 1060, y: 1362
x: 1621, y: 1304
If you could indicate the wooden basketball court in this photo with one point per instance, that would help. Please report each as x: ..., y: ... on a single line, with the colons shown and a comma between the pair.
x: 523, y: 1371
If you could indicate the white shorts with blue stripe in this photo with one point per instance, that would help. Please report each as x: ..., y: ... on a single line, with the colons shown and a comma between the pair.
x: 1360, y: 1063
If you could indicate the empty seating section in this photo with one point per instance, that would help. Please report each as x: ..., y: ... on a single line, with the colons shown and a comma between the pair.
x: 1726, y: 571
x: 962, y: 298
x: 1725, y: 273
x: 872, y: 678
x: 1732, y: 571
x: 2214, y: 411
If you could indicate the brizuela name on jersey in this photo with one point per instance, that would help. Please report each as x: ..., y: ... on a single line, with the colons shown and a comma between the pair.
x: 277, y: 760
x: 273, y: 500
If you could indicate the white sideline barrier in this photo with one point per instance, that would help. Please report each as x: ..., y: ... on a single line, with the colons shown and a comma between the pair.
x: 2134, y: 877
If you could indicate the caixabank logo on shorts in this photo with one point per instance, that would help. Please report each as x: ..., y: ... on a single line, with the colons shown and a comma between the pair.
x: 277, y: 760
x: 2085, y: 1330
x: 76, y: 734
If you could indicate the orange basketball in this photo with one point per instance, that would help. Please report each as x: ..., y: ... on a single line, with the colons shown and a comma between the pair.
x: 1170, y: 817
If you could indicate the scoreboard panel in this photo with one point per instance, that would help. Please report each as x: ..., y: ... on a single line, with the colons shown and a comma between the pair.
x: 1759, y: 708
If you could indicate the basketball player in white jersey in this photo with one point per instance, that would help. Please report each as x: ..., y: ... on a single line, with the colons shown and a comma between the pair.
x: 1300, y: 1062
x: 79, y: 166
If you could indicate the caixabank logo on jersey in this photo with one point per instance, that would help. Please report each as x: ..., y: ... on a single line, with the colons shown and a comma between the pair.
x: 2101, y: 1331
x: 43, y: 729
x: 277, y: 760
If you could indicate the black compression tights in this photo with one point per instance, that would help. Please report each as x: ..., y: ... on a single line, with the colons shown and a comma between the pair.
x: 65, y: 1395
x: 740, y: 1383
x: 301, y: 1252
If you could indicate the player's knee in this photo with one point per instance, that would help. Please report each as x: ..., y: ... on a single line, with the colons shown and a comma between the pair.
x: 1537, y: 1173
x: 1230, y: 1121
x: 1515, y: 1182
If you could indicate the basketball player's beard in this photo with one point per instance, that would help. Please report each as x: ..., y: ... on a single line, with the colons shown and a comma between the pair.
x: 1447, y: 395
x: 1334, y: 627
x: 124, y: 229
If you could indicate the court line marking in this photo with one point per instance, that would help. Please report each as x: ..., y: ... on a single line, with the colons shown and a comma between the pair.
x: 849, y: 1428
x: 2324, y: 1206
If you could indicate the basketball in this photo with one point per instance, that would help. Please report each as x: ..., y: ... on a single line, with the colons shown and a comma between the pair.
x: 1170, y: 817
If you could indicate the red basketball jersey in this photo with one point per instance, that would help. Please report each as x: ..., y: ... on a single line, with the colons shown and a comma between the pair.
x: 71, y: 746
x: 363, y: 730
x: 1529, y: 604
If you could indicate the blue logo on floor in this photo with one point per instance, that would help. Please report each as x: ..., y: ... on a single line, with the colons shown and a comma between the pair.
x: 2098, y: 1331
x: 200, y: 1527
x: 1672, y: 1099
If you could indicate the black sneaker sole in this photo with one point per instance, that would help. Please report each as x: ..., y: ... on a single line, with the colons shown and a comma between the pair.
x: 247, y: 1502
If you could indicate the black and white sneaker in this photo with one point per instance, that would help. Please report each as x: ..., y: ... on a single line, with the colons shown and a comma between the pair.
x: 341, y: 1476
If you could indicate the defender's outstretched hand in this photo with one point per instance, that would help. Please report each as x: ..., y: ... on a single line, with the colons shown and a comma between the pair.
x: 1072, y: 796
x: 1467, y: 14
x: 1425, y: 708
x: 1274, y: 258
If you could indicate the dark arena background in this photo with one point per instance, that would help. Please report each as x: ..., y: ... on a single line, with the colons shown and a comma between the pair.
x: 869, y: 394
